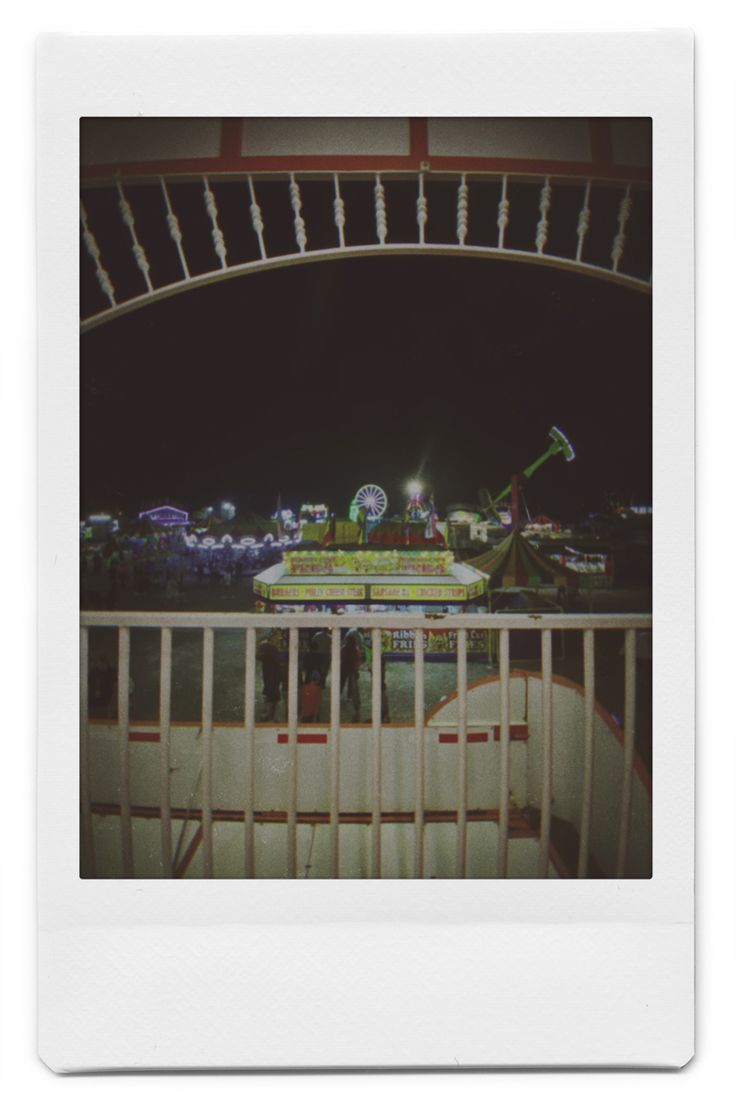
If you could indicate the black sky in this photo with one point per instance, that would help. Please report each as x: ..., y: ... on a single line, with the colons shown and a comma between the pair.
x: 311, y: 380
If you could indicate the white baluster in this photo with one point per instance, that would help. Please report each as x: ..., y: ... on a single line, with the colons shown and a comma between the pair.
x: 583, y: 222
x: 300, y: 229
x: 250, y: 752
x: 338, y: 207
x: 164, y: 721
x: 138, y: 251
x: 504, y: 208
x: 504, y: 752
x: 90, y: 242
x: 629, y: 745
x: 256, y: 217
x: 462, y: 211
x: 335, y: 754
x: 377, y: 754
x: 545, y: 202
x: 419, y: 767
x: 546, y: 803
x: 174, y: 229
x: 217, y: 237
x: 619, y: 241
x: 87, y: 825
x: 379, y: 196
x: 422, y: 209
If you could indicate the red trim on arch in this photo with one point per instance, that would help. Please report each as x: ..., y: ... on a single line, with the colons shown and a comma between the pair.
x: 231, y: 138
x: 601, y: 145
x: 419, y: 139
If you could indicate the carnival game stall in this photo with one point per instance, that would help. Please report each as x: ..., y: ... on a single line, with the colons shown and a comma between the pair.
x: 407, y: 580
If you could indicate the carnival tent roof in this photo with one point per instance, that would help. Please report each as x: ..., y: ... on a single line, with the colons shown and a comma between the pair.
x: 516, y: 563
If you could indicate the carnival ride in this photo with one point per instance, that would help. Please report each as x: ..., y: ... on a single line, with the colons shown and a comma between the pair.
x: 560, y: 443
x: 372, y: 500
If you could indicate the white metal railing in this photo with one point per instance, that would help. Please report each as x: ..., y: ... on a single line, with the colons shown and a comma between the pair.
x: 393, y: 232
x: 208, y: 623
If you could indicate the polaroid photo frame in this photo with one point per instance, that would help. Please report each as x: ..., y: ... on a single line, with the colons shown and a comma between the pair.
x: 353, y: 973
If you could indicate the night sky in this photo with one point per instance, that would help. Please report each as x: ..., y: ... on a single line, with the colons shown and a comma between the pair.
x: 314, y: 379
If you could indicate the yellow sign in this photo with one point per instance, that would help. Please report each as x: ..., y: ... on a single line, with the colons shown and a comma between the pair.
x: 417, y: 592
x: 309, y: 593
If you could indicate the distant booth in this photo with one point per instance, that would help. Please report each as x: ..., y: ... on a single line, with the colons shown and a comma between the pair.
x: 166, y: 516
x: 405, y: 580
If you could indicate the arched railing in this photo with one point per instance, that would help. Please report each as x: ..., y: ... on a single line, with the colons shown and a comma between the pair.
x: 147, y: 238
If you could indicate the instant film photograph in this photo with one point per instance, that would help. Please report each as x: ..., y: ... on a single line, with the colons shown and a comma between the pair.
x: 365, y: 534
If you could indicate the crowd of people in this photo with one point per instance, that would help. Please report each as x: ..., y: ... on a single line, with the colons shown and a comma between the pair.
x: 165, y: 564
x: 314, y: 671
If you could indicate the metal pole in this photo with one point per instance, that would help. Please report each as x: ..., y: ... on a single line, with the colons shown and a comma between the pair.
x: 335, y: 754
x: 376, y: 723
x: 207, y: 687
x: 462, y: 753
x: 293, y: 718
x: 164, y: 720
x: 249, y: 716
x: 503, y: 796
x: 629, y: 733
x: 87, y: 827
x: 419, y: 760
x: 126, y: 824
x: 546, y: 817
x: 589, y: 749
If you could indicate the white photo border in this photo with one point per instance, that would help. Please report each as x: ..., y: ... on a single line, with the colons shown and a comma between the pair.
x: 257, y: 974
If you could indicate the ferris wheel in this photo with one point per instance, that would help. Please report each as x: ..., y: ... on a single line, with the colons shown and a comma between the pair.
x: 372, y: 499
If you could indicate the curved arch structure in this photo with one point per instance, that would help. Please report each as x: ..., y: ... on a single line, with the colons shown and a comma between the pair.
x: 245, y: 198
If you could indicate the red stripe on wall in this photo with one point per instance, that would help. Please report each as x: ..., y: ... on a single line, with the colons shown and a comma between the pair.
x: 144, y: 737
x: 303, y: 738
x: 473, y: 737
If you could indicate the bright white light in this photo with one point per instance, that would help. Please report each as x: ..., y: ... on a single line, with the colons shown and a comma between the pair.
x: 414, y: 487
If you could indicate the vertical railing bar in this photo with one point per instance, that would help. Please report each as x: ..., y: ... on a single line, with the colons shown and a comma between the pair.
x: 545, y: 202
x: 93, y: 249
x: 546, y: 811
x: 164, y: 722
x: 218, y: 239
x: 629, y: 735
x: 588, y: 749
x: 175, y: 230
x: 207, y: 690
x: 419, y: 761
x: 126, y: 823
x: 583, y: 222
x: 139, y: 252
x: 422, y: 209
x: 504, y: 207
x: 462, y: 752
x: 300, y: 229
x: 249, y: 715
x: 335, y: 753
x: 379, y: 196
x: 505, y: 741
x: 462, y: 210
x: 376, y: 725
x: 256, y: 218
x: 87, y: 827
x: 338, y: 207
x: 619, y: 242
x: 293, y: 717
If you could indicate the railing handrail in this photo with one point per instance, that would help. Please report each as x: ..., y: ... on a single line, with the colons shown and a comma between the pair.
x: 144, y: 619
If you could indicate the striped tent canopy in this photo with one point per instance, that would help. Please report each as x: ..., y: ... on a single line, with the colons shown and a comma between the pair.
x: 515, y: 562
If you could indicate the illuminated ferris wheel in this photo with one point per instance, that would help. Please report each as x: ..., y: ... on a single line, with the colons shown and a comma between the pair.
x: 372, y: 499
